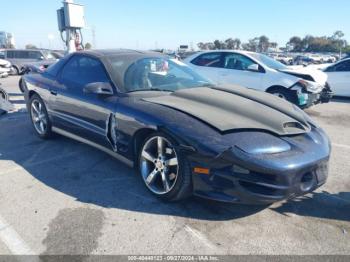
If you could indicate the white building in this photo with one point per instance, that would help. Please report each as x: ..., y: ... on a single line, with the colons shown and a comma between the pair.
x: 6, y: 40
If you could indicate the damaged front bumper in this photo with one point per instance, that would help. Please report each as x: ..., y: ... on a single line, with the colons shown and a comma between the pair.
x: 239, y: 177
x: 240, y: 185
x: 307, y: 99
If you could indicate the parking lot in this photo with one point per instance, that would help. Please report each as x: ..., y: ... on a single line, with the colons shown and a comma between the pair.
x: 64, y: 197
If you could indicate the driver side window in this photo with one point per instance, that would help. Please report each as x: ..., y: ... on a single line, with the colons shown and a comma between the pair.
x: 237, y: 62
x: 83, y: 70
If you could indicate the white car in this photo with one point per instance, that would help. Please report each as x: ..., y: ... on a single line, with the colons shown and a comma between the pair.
x: 284, y: 59
x: 5, y: 68
x: 302, y: 86
x: 339, y: 77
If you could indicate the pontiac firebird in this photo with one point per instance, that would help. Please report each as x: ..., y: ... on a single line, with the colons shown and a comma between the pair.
x: 184, y: 135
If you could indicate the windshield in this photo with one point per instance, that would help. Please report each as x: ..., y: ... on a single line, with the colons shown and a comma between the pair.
x: 268, y: 61
x: 160, y: 74
x: 48, y: 55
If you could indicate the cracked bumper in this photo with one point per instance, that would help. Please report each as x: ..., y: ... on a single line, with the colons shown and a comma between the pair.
x: 259, y: 188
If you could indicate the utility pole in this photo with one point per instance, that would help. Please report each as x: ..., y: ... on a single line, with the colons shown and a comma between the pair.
x: 93, y: 29
x: 70, y: 19
x: 70, y: 34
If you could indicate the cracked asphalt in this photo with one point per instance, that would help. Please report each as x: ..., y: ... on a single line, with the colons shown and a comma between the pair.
x: 64, y: 197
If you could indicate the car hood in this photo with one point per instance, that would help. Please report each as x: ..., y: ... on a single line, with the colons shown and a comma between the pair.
x: 307, y: 74
x: 235, y: 108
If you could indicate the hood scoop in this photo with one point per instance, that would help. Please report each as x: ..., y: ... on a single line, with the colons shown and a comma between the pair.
x: 293, y: 127
x: 227, y: 110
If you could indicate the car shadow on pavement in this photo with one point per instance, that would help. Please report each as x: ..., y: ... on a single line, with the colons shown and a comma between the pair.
x: 91, y: 176
x: 319, y: 205
x: 339, y: 99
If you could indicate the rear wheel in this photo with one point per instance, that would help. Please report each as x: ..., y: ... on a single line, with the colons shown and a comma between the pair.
x: 4, y: 95
x: 164, y: 170
x: 39, y: 116
x: 22, y: 85
x: 284, y: 94
x: 14, y: 70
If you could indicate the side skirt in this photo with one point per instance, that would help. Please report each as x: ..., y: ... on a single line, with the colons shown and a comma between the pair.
x: 90, y: 143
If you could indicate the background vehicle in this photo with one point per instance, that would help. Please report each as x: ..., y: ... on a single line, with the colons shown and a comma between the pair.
x: 183, y: 134
x: 284, y: 59
x: 303, y: 60
x: 34, y: 68
x: 339, y: 77
x: 5, y: 68
x: 3, y: 94
x: 318, y: 59
x: 19, y: 58
x: 303, y: 86
x: 346, y: 57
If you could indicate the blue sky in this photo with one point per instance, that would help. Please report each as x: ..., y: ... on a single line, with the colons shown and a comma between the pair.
x: 146, y: 24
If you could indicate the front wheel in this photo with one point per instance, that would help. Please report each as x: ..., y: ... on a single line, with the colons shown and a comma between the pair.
x: 164, y: 170
x: 40, y: 118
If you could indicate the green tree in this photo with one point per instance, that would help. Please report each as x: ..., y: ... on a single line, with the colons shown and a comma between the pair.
x: 296, y: 43
x: 264, y: 43
x: 88, y: 46
x: 230, y: 44
x: 30, y: 46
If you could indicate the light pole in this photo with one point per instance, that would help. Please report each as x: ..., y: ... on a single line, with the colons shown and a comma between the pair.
x: 50, y: 37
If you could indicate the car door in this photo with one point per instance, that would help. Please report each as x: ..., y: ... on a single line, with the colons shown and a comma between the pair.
x: 238, y: 69
x: 339, y: 78
x: 208, y: 65
x: 83, y: 114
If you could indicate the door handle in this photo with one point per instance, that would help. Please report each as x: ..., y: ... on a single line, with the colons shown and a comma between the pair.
x: 53, y: 92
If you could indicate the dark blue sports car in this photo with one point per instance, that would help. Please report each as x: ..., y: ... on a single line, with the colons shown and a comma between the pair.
x: 184, y: 135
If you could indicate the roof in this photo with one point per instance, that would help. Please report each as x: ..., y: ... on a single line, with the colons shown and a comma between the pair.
x: 126, y: 56
x: 113, y: 52
x: 227, y: 50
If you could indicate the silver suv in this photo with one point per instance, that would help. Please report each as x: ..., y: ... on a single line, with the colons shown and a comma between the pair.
x: 20, y: 57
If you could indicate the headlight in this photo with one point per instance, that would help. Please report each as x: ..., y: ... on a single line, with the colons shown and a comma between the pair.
x: 310, y: 86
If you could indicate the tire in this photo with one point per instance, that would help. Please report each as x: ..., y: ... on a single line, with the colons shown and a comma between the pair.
x: 284, y: 94
x: 4, y: 95
x: 164, y: 170
x: 22, y: 86
x: 14, y: 71
x: 39, y: 117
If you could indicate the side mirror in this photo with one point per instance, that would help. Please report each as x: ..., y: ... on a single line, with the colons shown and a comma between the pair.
x: 41, y: 58
x: 99, y: 88
x: 253, y: 68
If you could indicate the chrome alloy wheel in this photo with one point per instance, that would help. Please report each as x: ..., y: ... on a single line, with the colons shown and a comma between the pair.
x: 39, y: 117
x: 159, y: 165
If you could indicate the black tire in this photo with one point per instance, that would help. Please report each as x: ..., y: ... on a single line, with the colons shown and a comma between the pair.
x: 4, y: 95
x: 47, y: 132
x: 22, y: 86
x: 182, y: 187
x: 15, y: 71
x: 285, y: 94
